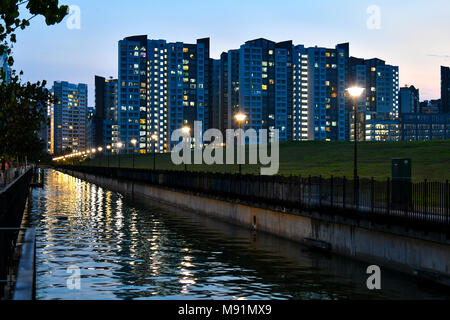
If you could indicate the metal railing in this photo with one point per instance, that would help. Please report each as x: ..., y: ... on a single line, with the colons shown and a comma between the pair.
x: 8, y: 238
x: 12, y: 200
x: 12, y: 205
x: 402, y: 201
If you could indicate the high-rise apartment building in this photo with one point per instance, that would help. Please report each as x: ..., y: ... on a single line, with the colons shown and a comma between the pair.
x: 319, y: 93
x: 229, y: 88
x: 409, y: 100
x: 445, y: 90
x: 106, y: 112
x: 162, y: 87
x: 4, y: 67
x: 68, y: 117
x: 380, y: 99
x: 257, y: 80
x: 381, y: 81
x: 298, y: 90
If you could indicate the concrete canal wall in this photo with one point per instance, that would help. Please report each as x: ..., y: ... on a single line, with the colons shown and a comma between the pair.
x: 422, y: 254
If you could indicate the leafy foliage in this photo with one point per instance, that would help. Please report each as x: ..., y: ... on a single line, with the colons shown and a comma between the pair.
x: 22, y: 115
x: 11, y: 20
x: 22, y: 105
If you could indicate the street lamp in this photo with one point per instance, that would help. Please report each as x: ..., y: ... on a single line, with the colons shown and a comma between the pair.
x: 355, y: 93
x: 240, y: 117
x: 186, y: 131
x: 108, y: 147
x: 154, y: 139
x: 119, y: 146
x: 134, y: 143
x: 100, y: 149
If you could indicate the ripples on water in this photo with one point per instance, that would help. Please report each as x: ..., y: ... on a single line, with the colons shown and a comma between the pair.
x: 130, y: 251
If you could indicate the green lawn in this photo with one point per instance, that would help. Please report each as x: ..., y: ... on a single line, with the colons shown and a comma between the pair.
x: 431, y: 160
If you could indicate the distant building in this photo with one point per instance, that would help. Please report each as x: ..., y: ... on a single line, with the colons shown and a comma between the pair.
x: 410, y: 127
x: 425, y: 127
x: 382, y: 130
x: 91, y: 129
x: 430, y: 106
x: 409, y: 100
x: 106, y: 112
x: 69, y: 117
x: 43, y: 134
x: 445, y: 90
x: 229, y: 88
x: 4, y: 66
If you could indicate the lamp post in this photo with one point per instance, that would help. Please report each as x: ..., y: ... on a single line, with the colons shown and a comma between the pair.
x: 119, y: 146
x: 186, y: 131
x: 134, y: 143
x: 100, y: 150
x: 240, y: 117
x: 108, y: 148
x: 355, y: 93
x: 93, y: 151
x: 154, y: 139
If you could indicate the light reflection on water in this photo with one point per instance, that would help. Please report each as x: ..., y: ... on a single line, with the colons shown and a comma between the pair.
x: 129, y: 251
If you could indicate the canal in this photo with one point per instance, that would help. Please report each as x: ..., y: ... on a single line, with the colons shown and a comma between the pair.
x: 127, y: 250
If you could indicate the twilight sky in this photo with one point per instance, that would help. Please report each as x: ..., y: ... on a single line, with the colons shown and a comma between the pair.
x: 413, y: 34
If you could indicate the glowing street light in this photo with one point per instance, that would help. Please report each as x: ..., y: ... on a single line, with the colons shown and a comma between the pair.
x: 186, y: 130
x: 240, y: 117
x: 355, y: 92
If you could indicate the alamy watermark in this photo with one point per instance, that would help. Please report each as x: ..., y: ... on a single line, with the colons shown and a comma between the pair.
x: 74, y: 280
x: 374, y: 17
x: 374, y: 280
x: 209, y: 147
x: 74, y: 18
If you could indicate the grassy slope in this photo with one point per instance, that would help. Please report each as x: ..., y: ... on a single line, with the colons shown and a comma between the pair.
x: 431, y: 160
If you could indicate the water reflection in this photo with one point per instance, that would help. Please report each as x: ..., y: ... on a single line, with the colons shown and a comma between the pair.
x: 130, y: 251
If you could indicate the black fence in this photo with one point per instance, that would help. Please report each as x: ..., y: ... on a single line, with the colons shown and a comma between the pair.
x: 402, y: 201
x: 12, y: 205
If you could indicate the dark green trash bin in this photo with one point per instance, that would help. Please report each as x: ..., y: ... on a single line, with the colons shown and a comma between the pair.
x: 401, y: 183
